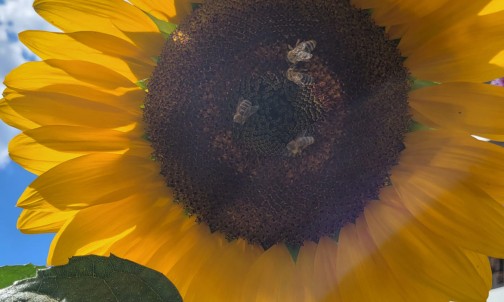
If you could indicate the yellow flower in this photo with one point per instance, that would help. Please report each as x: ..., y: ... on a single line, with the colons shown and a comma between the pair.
x: 271, y: 160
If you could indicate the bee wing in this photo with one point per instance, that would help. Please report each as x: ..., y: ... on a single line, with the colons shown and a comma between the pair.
x: 253, y: 109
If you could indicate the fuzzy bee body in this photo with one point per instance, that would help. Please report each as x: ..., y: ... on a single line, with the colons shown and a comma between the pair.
x: 302, y: 52
x: 297, y: 145
x: 243, y: 111
x: 299, y: 78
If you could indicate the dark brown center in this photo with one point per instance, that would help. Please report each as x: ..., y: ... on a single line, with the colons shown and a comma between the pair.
x: 276, y: 121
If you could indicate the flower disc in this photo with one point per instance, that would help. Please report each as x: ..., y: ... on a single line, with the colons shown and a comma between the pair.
x: 258, y: 153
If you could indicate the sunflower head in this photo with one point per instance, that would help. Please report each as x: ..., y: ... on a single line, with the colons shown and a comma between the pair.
x: 276, y: 121
x: 282, y: 125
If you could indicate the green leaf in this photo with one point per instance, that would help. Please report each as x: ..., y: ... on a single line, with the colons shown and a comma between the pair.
x: 416, y: 126
x: 94, y: 278
x: 165, y: 27
x: 143, y: 84
x: 417, y: 84
x: 195, y: 6
x: 9, y: 274
x: 294, y: 251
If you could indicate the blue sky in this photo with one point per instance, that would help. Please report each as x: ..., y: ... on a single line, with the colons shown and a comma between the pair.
x: 15, y: 247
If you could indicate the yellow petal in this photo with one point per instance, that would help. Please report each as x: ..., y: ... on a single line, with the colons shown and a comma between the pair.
x: 445, y: 16
x: 430, y: 269
x: 493, y: 7
x: 451, y: 206
x: 36, y: 75
x: 129, y: 101
x: 396, y: 31
x: 174, y: 11
x: 363, y: 275
x: 456, y: 54
x: 497, y: 138
x: 114, y: 46
x: 201, y: 257
x: 92, y: 179
x: 59, y: 109
x: 105, y: 50
x: 307, y: 281
x: 472, y: 107
x: 112, y: 17
x: 423, y: 146
x: 92, y: 231
x: 162, y: 227
x: 394, y: 12
x: 270, y: 276
x: 185, y: 241
x: 482, y: 161
x: 482, y: 266
x: 12, y: 118
x: 38, y: 221
x: 91, y: 73
x: 41, y: 149
x: 480, y: 263
x: 325, y: 270
x: 230, y: 264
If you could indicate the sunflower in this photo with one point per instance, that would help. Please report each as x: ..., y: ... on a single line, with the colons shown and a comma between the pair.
x: 269, y: 150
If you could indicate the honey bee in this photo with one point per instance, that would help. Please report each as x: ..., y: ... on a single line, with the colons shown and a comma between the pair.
x: 297, y: 145
x: 243, y: 111
x: 299, y: 78
x: 301, y: 52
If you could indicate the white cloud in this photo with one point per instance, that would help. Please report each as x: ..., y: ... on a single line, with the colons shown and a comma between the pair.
x: 6, y: 133
x: 22, y: 15
x: 496, y: 295
x: 15, y: 16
